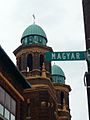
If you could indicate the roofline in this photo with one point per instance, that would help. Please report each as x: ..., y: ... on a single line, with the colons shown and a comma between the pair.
x: 7, y: 62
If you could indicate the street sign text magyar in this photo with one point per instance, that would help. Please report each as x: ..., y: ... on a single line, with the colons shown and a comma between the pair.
x: 65, y: 56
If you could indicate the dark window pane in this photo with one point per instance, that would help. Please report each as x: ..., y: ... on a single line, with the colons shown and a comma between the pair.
x: 7, y: 101
x: 62, y: 97
x: 30, y: 62
x: 2, y: 95
x: 7, y: 114
x: 25, y: 41
x: 1, y: 109
x: 41, y: 61
x: 19, y: 63
x: 13, y: 106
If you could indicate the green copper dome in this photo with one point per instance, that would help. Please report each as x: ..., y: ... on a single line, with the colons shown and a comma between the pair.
x: 58, y: 74
x: 34, y: 34
x: 34, y: 30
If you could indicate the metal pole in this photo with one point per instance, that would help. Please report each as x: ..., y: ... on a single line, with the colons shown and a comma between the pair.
x: 87, y: 84
x: 86, y: 14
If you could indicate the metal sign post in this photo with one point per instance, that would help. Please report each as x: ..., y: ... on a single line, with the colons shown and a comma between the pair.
x: 86, y: 15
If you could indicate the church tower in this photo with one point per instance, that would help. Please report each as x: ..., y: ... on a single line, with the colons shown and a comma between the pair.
x: 30, y: 55
x: 62, y: 93
x: 48, y: 97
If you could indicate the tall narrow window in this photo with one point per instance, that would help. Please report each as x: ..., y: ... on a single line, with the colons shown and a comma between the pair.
x: 62, y: 97
x: 7, y: 101
x: 1, y: 110
x: 41, y: 61
x: 19, y: 63
x: 13, y: 106
x: 2, y: 96
x: 30, y: 62
x: 12, y: 117
x: 7, y: 114
x: 28, y: 107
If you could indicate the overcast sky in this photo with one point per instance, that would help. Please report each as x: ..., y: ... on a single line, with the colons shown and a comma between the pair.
x: 62, y: 21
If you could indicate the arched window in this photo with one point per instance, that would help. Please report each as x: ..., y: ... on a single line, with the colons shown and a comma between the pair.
x: 19, y: 63
x: 41, y: 61
x: 30, y: 62
x: 62, y: 97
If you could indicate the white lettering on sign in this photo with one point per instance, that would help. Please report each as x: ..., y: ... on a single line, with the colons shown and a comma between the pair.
x: 66, y: 56
x: 72, y: 56
x: 59, y: 56
x: 78, y: 56
x: 63, y: 56
x: 53, y: 56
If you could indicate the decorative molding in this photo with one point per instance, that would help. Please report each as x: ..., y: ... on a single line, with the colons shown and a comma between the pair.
x: 32, y: 50
x: 62, y: 87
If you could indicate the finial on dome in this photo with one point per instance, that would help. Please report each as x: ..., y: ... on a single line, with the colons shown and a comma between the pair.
x: 33, y: 19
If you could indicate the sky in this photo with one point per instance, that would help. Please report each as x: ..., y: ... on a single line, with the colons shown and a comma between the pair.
x: 62, y: 21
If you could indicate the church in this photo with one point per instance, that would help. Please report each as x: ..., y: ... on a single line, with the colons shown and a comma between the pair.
x: 33, y: 89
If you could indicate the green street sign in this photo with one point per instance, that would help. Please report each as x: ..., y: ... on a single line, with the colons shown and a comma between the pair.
x: 65, y: 56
